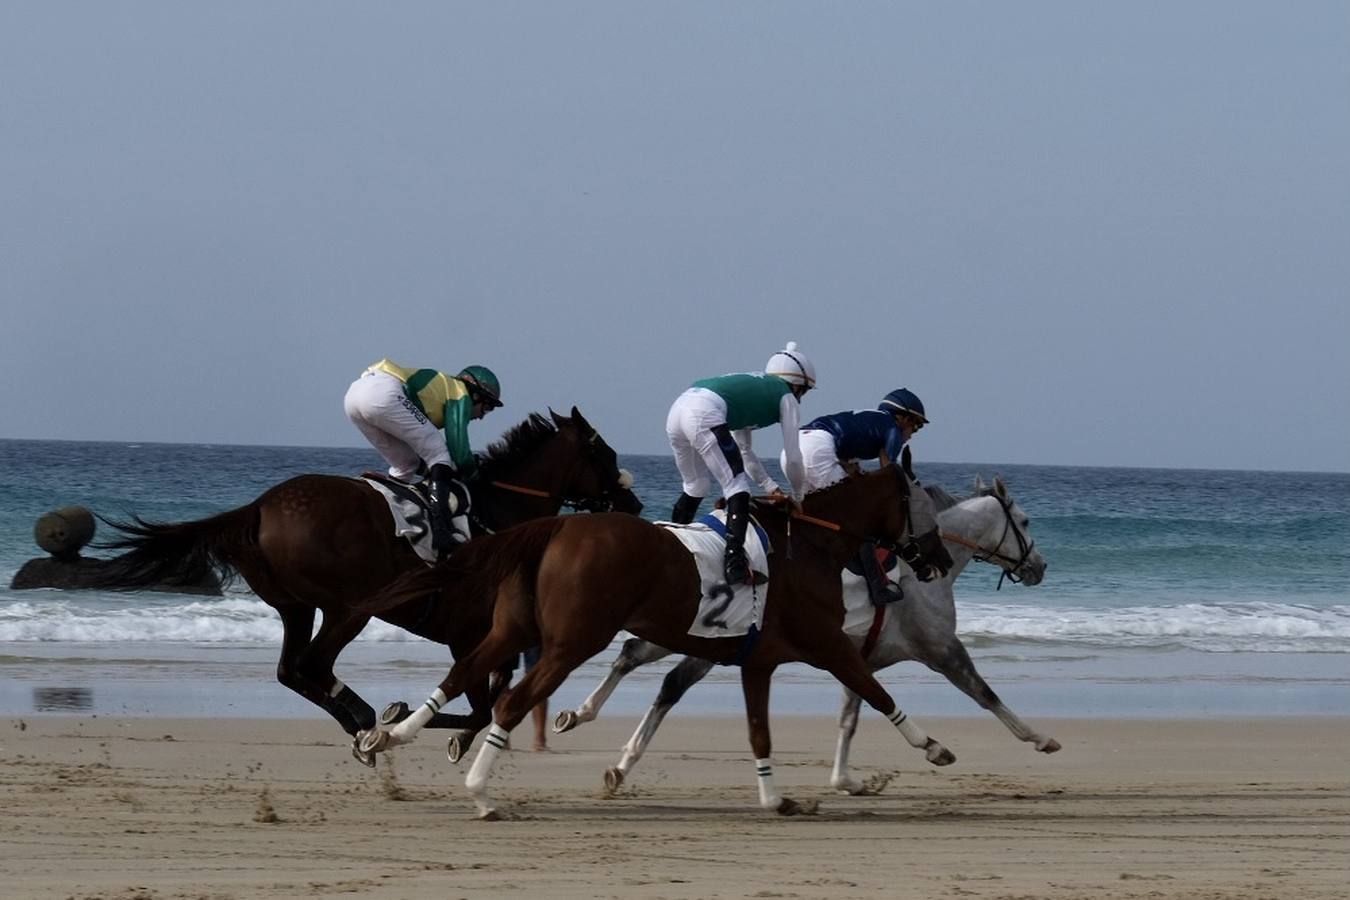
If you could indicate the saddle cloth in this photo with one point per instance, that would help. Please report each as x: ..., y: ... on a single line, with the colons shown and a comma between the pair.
x: 410, y: 514
x: 718, y: 617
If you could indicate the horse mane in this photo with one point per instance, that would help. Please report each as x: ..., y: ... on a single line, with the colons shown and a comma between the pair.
x: 941, y: 498
x: 520, y: 442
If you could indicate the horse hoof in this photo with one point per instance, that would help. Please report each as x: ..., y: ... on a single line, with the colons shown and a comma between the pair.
x: 849, y: 786
x: 454, y: 749
x: 939, y: 755
x: 361, y: 756
x: 394, y: 713
x: 788, y: 807
x: 565, y: 721
x: 489, y: 815
x: 373, y: 742
x: 1050, y: 745
x: 613, y: 780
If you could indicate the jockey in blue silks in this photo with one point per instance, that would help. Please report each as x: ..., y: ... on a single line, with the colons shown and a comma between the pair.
x: 830, y: 442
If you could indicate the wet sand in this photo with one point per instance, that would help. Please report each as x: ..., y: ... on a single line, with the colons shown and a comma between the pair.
x: 150, y: 809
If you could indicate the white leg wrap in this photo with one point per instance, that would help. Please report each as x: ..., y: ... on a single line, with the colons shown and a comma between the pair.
x: 768, y: 795
x: 406, y: 730
x: 476, y: 780
x: 912, y: 733
x: 839, y: 776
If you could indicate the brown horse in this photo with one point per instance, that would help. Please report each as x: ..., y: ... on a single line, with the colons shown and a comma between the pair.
x: 327, y: 542
x: 572, y: 583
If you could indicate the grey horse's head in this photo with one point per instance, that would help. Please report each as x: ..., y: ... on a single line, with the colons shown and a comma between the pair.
x: 1015, y: 551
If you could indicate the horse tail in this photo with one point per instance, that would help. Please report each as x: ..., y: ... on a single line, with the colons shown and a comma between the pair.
x: 476, y: 569
x: 179, y: 553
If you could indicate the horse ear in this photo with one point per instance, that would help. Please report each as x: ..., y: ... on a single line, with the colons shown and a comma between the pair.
x: 580, y: 420
x: 1000, y: 488
x: 979, y: 484
x: 557, y: 419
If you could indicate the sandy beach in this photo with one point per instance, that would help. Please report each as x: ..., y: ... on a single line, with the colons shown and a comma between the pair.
x: 101, y: 807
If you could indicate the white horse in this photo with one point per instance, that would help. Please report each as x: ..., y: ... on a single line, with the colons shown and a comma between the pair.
x: 988, y: 527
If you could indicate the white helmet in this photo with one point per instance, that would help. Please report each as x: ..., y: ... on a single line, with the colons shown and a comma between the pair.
x: 792, y: 366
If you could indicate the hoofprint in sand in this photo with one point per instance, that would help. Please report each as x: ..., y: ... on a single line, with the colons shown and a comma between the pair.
x: 102, y: 807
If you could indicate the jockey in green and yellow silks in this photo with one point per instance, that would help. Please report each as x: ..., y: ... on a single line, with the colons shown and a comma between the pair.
x: 418, y: 419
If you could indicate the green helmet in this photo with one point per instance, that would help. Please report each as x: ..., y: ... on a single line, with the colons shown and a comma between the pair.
x: 483, y: 385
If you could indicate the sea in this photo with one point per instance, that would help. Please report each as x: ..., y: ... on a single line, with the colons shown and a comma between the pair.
x: 1168, y: 593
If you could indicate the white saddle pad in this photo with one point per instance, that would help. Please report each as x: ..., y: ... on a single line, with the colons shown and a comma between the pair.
x: 716, y: 617
x: 410, y: 521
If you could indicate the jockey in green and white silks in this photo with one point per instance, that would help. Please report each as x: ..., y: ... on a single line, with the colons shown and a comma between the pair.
x: 418, y: 420
x: 710, y: 426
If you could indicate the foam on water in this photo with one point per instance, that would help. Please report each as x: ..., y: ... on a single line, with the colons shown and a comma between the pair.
x: 1209, y: 627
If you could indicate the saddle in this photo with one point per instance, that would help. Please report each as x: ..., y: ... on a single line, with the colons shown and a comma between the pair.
x: 414, y: 493
x: 411, y: 510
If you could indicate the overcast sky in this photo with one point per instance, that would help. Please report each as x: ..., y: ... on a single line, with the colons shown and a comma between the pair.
x: 1083, y: 233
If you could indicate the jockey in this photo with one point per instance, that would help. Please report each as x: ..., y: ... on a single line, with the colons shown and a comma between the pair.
x: 709, y: 428
x: 418, y: 419
x: 829, y: 443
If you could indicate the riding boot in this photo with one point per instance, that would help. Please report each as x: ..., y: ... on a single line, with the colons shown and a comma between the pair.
x: 879, y: 588
x: 736, y: 567
x: 447, y: 529
x: 685, y: 509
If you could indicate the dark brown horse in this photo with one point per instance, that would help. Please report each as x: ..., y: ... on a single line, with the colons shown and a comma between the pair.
x: 572, y: 583
x: 327, y: 543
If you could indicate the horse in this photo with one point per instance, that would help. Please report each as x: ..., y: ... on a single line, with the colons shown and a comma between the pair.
x: 988, y: 527
x: 326, y: 543
x: 572, y: 583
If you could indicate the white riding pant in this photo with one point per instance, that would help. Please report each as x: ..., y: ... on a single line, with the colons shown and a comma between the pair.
x: 689, y: 426
x: 819, y: 457
x: 404, y: 436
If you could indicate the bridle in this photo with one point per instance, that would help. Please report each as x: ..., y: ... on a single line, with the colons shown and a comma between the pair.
x: 1024, y: 546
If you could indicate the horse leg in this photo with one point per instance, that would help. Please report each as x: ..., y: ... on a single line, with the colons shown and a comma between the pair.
x: 538, y: 685
x: 471, y: 669
x: 636, y: 652
x: 755, y: 686
x: 482, y: 698
x: 848, y: 726
x: 297, y: 622
x: 686, y: 674
x: 836, y: 654
x: 958, y: 668
x: 316, y: 663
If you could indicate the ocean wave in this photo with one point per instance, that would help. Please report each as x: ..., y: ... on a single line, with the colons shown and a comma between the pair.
x: 228, y: 620
x: 1258, y: 626
x: 1215, y: 627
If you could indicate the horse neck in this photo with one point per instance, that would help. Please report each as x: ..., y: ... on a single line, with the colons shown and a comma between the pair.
x: 536, y: 472
x: 860, y: 505
x: 975, y: 520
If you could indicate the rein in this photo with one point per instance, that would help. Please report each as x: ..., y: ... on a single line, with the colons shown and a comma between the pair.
x: 520, y: 489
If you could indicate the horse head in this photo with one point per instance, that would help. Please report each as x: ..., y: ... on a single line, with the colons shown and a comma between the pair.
x: 597, y: 484
x: 1005, y: 539
x: 543, y: 464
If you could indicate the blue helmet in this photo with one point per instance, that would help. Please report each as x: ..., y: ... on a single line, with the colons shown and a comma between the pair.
x: 903, y: 400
